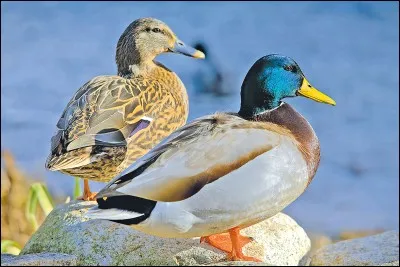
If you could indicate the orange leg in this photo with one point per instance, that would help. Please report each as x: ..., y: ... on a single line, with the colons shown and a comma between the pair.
x: 237, y: 254
x: 87, y: 195
x: 232, y: 243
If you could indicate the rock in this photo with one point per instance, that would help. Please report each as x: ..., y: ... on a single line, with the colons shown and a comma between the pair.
x: 376, y: 250
x: 277, y: 241
x: 41, y: 259
x: 318, y: 241
x: 5, y: 258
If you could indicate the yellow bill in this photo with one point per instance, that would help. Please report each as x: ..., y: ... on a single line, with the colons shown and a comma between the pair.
x: 309, y: 91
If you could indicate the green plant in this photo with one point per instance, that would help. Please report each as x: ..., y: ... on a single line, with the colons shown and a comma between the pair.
x: 77, y: 189
x: 10, y: 247
x: 38, y: 193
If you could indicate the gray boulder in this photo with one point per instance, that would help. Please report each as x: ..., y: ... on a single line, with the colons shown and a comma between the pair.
x: 376, y: 250
x: 277, y: 241
x: 40, y: 259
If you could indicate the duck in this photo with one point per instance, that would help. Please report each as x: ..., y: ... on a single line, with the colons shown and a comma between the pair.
x: 210, y: 77
x: 223, y: 172
x: 112, y: 120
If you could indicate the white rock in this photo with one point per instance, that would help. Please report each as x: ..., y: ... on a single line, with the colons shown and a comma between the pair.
x: 376, y: 250
x: 6, y: 258
x: 277, y: 241
x: 318, y: 240
x: 40, y: 259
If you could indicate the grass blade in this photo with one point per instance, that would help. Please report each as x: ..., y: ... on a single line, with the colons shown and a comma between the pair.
x: 44, y: 198
x: 11, y: 247
x: 38, y: 193
x: 77, y: 189
x: 30, y: 211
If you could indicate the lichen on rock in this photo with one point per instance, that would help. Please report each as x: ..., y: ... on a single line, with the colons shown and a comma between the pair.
x: 277, y: 241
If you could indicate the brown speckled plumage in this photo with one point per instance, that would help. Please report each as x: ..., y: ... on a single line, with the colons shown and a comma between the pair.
x: 113, y: 120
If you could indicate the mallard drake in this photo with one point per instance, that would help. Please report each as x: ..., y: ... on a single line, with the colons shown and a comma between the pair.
x: 113, y: 120
x: 223, y: 172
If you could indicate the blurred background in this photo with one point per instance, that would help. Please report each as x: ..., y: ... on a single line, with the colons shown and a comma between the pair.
x: 347, y: 50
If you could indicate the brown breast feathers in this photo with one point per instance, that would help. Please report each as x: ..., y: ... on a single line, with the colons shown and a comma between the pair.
x: 302, y: 131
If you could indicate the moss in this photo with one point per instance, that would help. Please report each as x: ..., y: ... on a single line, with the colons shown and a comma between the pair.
x: 56, y: 241
x: 55, y: 234
x: 105, y: 243
x: 120, y: 258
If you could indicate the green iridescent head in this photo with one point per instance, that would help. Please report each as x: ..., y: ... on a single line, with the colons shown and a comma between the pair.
x: 271, y: 79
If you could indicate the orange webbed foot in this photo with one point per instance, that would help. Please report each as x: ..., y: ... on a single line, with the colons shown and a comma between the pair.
x: 219, y: 241
x: 232, y: 256
x: 237, y: 245
x: 231, y: 243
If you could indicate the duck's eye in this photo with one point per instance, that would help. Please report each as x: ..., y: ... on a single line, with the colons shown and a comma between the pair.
x: 290, y: 68
x: 148, y: 29
x: 156, y: 30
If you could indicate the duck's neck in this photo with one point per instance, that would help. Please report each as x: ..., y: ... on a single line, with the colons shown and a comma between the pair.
x: 256, y: 101
x: 133, y: 63
x: 135, y: 68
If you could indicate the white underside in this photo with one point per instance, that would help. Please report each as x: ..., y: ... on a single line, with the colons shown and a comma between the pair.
x: 112, y: 214
x: 254, y: 192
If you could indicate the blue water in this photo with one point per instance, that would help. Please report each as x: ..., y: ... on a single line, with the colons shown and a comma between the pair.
x: 347, y: 50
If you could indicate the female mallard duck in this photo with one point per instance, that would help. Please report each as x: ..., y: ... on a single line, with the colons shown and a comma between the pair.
x: 113, y: 120
x: 223, y: 172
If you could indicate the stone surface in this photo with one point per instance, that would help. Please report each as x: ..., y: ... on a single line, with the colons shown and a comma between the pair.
x: 318, y: 240
x: 5, y: 258
x: 40, y: 259
x: 376, y: 250
x: 277, y: 241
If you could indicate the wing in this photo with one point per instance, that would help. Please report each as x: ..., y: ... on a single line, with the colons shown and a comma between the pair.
x: 104, y: 112
x: 195, y: 155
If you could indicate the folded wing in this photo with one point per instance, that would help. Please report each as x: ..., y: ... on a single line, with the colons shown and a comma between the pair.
x: 104, y: 112
x: 193, y: 156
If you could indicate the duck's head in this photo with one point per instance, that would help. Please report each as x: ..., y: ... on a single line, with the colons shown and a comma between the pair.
x: 271, y: 79
x: 146, y: 38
